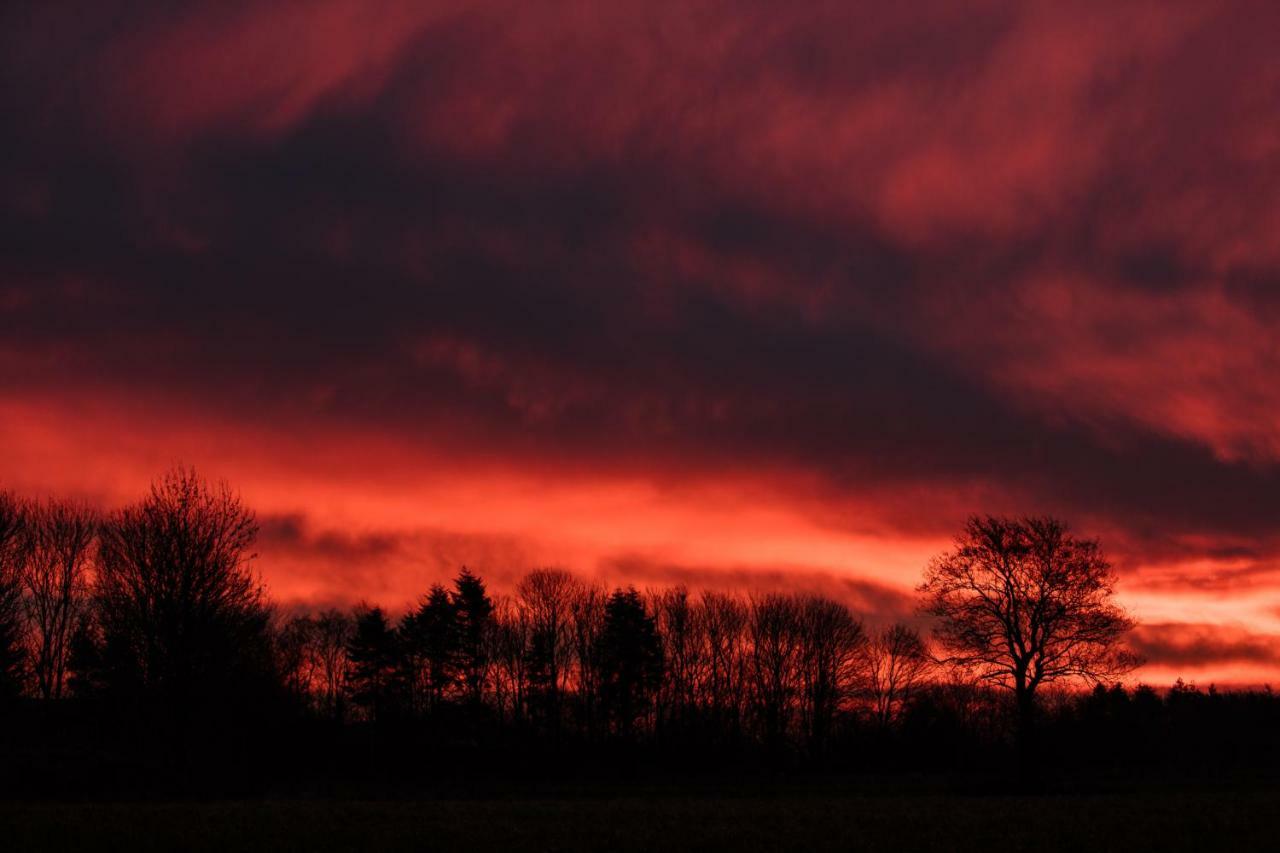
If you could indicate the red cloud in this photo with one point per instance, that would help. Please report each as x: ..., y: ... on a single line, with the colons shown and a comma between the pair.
x: 1200, y: 647
x: 776, y: 294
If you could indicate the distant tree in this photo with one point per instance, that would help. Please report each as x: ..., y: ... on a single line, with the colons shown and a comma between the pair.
x: 831, y: 643
x: 509, y: 651
x: 587, y: 613
x: 373, y: 677
x: 722, y: 690
x: 474, y: 613
x: 774, y: 631
x: 296, y: 659
x: 431, y: 642
x: 14, y: 543
x: 87, y: 675
x: 897, y: 661
x: 333, y: 631
x: 546, y: 595
x: 1021, y: 603
x: 182, y: 619
x: 55, y: 586
x: 682, y: 647
x: 630, y: 659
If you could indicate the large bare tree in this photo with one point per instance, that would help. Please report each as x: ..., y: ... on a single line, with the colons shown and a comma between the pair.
x: 182, y: 615
x: 1023, y: 602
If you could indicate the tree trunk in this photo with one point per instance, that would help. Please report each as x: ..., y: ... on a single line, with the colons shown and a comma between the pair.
x: 1028, y: 760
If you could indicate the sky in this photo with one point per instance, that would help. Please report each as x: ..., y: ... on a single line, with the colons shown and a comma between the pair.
x: 740, y: 295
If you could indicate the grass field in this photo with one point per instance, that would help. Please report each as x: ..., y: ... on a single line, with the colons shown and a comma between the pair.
x: 1168, y: 821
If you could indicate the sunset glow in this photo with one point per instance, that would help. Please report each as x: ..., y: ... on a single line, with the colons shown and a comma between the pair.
x: 718, y: 294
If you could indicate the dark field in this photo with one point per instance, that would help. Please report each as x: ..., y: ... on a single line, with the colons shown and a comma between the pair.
x: 1181, y: 820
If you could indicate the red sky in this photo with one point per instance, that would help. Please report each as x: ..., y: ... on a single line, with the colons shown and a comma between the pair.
x: 721, y: 293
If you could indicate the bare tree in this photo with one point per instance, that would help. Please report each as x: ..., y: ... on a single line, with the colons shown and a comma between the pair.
x: 182, y: 617
x: 14, y: 546
x: 296, y: 661
x: 1023, y: 602
x: 897, y: 662
x: 332, y: 634
x: 509, y: 652
x: 722, y: 622
x: 774, y: 630
x: 55, y: 587
x: 587, y: 611
x: 831, y: 641
x: 547, y: 597
x: 681, y: 647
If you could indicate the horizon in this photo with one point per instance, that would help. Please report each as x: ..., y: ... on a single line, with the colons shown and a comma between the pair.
x: 875, y: 608
x: 740, y: 298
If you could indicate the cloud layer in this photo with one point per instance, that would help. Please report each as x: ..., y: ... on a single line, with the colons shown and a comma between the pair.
x: 717, y: 285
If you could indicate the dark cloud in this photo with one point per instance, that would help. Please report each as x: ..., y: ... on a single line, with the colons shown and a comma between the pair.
x: 337, y: 564
x: 928, y: 261
x: 1195, y: 646
x: 1229, y: 574
x: 293, y: 534
x: 874, y: 601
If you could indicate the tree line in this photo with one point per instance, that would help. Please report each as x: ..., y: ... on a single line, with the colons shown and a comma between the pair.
x: 565, y: 654
x: 150, y: 619
x: 156, y: 605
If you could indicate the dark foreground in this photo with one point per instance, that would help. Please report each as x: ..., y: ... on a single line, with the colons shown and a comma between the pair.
x: 1166, y: 821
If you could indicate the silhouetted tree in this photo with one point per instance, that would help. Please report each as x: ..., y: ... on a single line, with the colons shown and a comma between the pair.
x: 831, y: 642
x: 311, y: 655
x: 630, y: 659
x: 775, y: 637
x: 14, y: 545
x: 332, y: 634
x: 474, y: 613
x: 678, y: 629
x: 897, y: 661
x: 431, y: 642
x: 55, y: 586
x: 509, y: 651
x: 547, y: 596
x: 722, y: 626
x: 87, y: 675
x: 297, y: 663
x: 1023, y: 602
x: 373, y: 656
x: 181, y: 618
x: 587, y: 611
x: 178, y: 638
